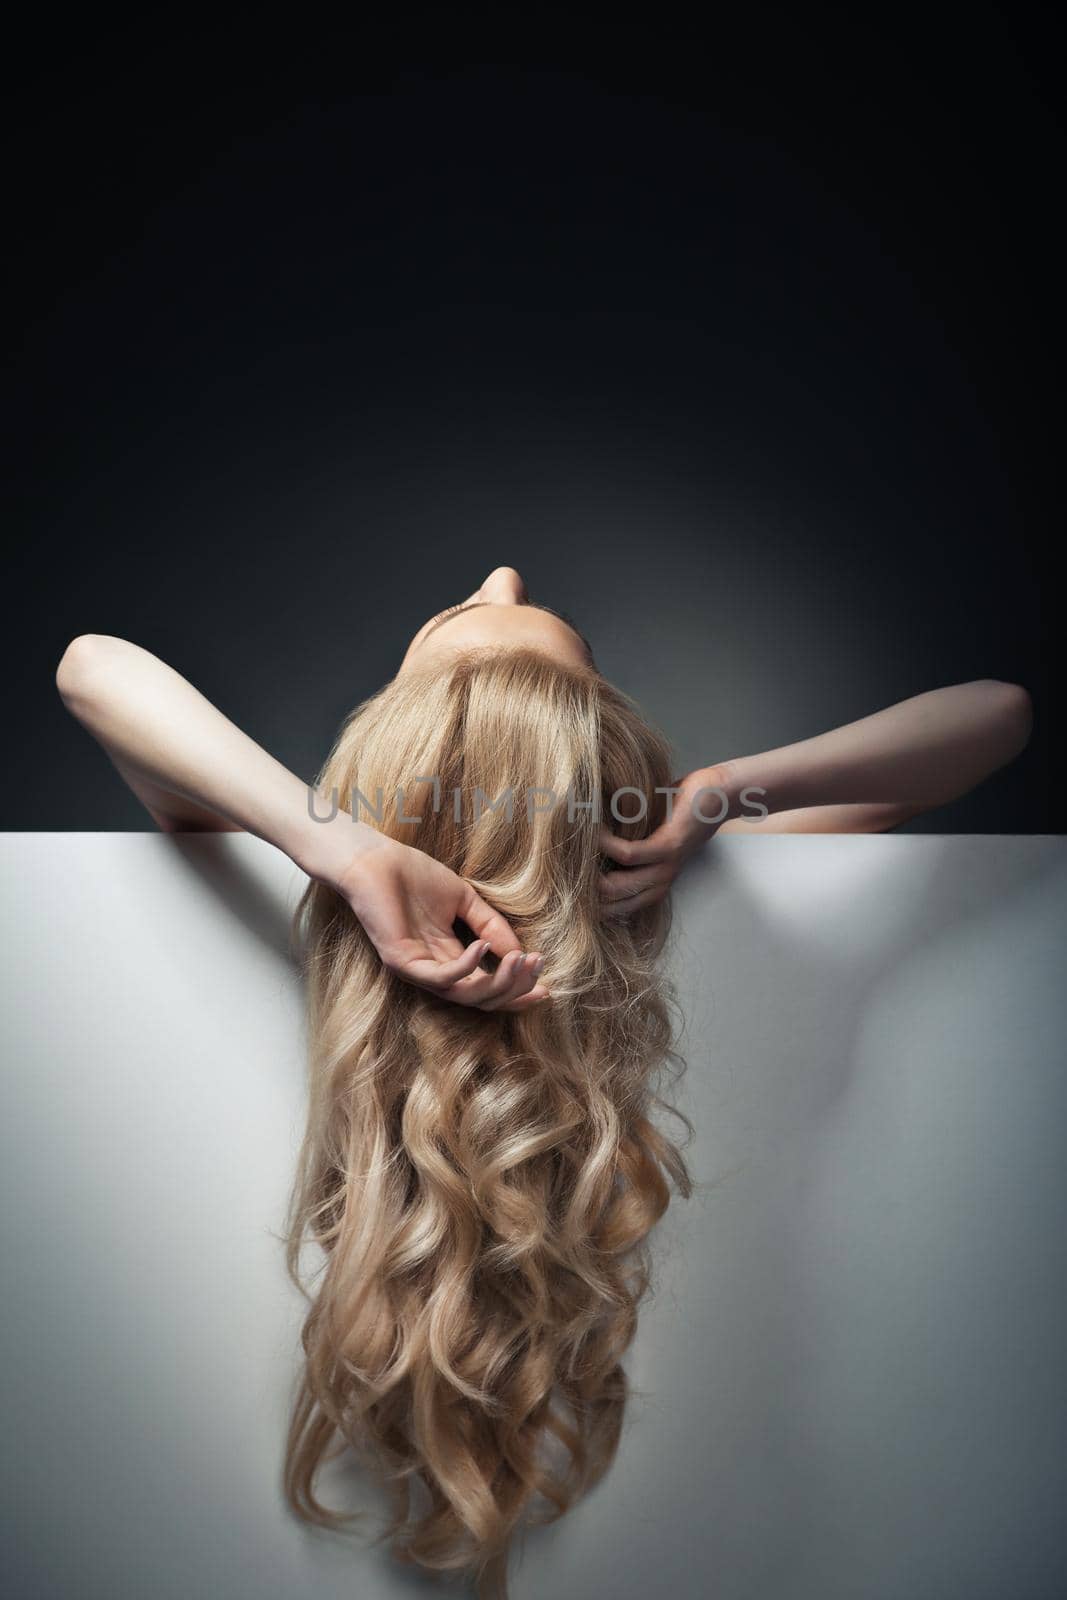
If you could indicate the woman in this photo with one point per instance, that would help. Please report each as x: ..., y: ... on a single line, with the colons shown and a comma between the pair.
x: 495, y: 831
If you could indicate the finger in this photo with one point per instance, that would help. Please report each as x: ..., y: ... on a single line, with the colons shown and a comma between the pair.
x: 523, y: 983
x: 630, y: 881
x: 633, y: 852
x: 515, y: 976
x: 447, y: 973
x: 638, y: 902
x: 525, y: 1002
x: 481, y: 986
x: 486, y: 923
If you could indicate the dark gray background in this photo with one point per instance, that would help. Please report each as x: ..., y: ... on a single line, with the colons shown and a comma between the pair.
x: 741, y: 345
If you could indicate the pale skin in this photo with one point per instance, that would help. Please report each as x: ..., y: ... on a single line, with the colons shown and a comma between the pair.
x: 865, y: 777
x: 195, y: 770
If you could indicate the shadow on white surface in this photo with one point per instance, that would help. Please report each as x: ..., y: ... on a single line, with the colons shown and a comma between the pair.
x: 851, y: 1374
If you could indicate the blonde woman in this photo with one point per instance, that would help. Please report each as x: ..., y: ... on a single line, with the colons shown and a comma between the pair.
x: 490, y: 846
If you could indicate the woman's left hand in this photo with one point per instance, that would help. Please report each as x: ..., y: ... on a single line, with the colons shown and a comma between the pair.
x: 408, y: 902
x: 649, y: 866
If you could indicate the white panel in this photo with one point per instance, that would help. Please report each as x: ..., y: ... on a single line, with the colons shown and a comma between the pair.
x: 852, y: 1371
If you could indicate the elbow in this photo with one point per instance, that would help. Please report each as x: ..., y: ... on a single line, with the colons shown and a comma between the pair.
x: 79, y: 663
x: 1014, y: 711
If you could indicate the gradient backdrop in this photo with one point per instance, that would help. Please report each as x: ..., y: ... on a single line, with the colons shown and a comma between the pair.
x: 741, y: 345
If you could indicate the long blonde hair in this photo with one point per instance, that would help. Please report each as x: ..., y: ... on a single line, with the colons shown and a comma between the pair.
x: 481, y: 1184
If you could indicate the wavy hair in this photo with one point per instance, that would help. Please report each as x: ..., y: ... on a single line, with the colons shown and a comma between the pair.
x: 482, y: 1184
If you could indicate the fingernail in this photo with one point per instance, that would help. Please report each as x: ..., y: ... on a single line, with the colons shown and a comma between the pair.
x: 536, y: 965
x: 519, y: 962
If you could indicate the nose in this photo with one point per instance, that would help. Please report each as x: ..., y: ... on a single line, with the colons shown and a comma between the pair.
x: 505, y: 586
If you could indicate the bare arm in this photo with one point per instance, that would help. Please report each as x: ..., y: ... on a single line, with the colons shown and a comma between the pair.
x: 192, y: 767
x: 864, y: 777
x: 825, y: 819
x: 185, y: 760
x: 874, y: 773
x: 172, y: 812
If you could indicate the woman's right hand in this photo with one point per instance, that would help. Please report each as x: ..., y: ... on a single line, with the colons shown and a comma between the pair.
x: 407, y: 902
x: 649, y: 866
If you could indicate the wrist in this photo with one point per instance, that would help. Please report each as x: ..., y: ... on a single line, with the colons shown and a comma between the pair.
x: 712, y: 799
x: 752, y: 785
x: 329, y: 848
